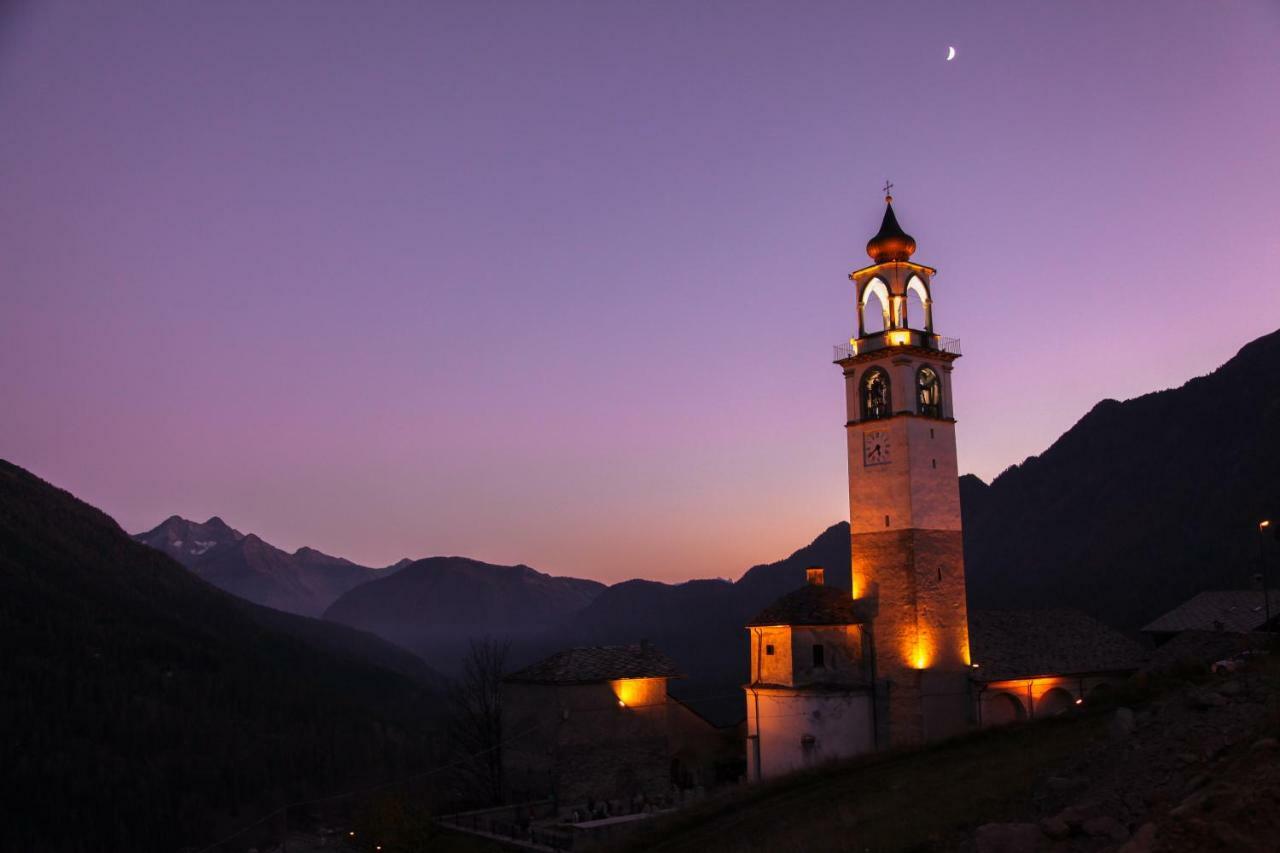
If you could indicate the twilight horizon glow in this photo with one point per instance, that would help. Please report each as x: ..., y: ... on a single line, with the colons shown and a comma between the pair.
x: 558, y: 283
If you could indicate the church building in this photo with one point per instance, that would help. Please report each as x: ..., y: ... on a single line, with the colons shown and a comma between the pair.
x: 835, y: 674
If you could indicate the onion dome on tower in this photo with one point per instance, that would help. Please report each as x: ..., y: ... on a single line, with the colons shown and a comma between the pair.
x: 891, y: 243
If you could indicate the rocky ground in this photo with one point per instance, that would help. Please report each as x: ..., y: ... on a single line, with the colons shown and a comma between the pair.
x: 1195, y: 769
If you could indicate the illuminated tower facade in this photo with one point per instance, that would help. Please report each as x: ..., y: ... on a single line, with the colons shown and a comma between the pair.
x: 904, y: 494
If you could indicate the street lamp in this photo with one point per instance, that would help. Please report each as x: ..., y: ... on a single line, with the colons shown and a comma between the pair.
x: 1262, y: 565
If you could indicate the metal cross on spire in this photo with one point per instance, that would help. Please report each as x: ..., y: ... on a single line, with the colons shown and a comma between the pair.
x: 888, y: 187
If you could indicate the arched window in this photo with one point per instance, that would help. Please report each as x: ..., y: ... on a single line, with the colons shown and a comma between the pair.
x: 876, y: 401
x: 928, y: 393
x: 919, y: 308
x: 874, y: 296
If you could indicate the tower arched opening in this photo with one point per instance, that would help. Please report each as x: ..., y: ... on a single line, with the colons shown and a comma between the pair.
x: 928, y: 392
x: 877, y: 397
x: 919, y: 307
x: 873, y: 310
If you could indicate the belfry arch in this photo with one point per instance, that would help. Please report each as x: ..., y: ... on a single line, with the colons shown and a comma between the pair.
x: 877, y: 288
x: 917, y: 287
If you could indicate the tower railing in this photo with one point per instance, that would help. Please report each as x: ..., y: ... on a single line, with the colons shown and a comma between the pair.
x: 896, y: 338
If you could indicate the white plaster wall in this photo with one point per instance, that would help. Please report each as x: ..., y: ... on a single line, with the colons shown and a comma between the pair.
x: 840, y: 724
x: 771, y: 668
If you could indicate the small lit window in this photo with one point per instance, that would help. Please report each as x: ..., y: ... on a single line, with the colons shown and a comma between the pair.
x: 819, y: 655
x: 768, y: 650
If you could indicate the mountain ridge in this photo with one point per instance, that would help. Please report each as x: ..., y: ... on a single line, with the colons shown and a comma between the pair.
x: 1141, y: 504
x: 305, y: 581
x: 437, y: 605
x: 165, y: 708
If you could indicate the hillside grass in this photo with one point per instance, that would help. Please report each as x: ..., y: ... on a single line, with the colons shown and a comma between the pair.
x: 896, y: 801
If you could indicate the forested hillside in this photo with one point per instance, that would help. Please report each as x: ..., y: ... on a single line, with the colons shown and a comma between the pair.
x: 1141, y: 504
x: 147, y: 710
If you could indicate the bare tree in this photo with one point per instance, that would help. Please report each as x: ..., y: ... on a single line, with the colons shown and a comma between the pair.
x: 475, y: 700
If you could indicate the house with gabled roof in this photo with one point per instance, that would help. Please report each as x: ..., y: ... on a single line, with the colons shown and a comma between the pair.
x: 809, y: 696
x: 597, y: 724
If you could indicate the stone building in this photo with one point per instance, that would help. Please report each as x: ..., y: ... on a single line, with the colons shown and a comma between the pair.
x: 910, y: 674
x: 597, y: 724
x: 1039, y: 663
x: 810, y: 696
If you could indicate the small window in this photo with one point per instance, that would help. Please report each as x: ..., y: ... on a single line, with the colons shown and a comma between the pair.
x: 886, y: 521
x: 819, y: 655
x: 930, y: 432
x: 935, y: 463
x: 768, y: 650
x: 939, y: 573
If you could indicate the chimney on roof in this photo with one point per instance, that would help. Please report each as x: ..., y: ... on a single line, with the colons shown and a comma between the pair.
x: 814, y: 575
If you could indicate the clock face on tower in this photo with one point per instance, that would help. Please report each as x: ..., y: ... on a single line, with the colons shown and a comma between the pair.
x: 875, y: 447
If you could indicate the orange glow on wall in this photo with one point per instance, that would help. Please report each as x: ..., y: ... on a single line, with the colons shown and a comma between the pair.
x: 639, y: 692
x: 922, y: 653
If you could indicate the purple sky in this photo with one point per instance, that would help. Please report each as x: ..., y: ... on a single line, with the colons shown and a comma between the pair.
x: 557, y: 283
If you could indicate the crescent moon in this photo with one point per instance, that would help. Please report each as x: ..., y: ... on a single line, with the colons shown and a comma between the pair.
x: 951, y: 54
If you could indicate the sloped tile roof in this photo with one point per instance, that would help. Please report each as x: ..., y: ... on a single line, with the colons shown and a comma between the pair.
x: 814, y: 604
x: 1233, y: 610
x: 1025, y: 643
x: 1201, y: 648
x: 598, y: 663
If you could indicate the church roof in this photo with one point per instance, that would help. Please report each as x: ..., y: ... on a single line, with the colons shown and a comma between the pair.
x: 891, y: 243
x: 1233, y: 610
x: 598, y: 663
x: 1026, y: 643
x: 814, y: 604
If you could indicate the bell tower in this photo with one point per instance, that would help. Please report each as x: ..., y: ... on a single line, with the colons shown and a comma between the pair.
x: 904, y: 494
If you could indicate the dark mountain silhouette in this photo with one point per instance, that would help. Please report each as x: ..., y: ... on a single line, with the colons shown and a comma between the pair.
x: 306, y: 581
x: 1138, y: 506
x: 438, y: 605
x: 147, y: 710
